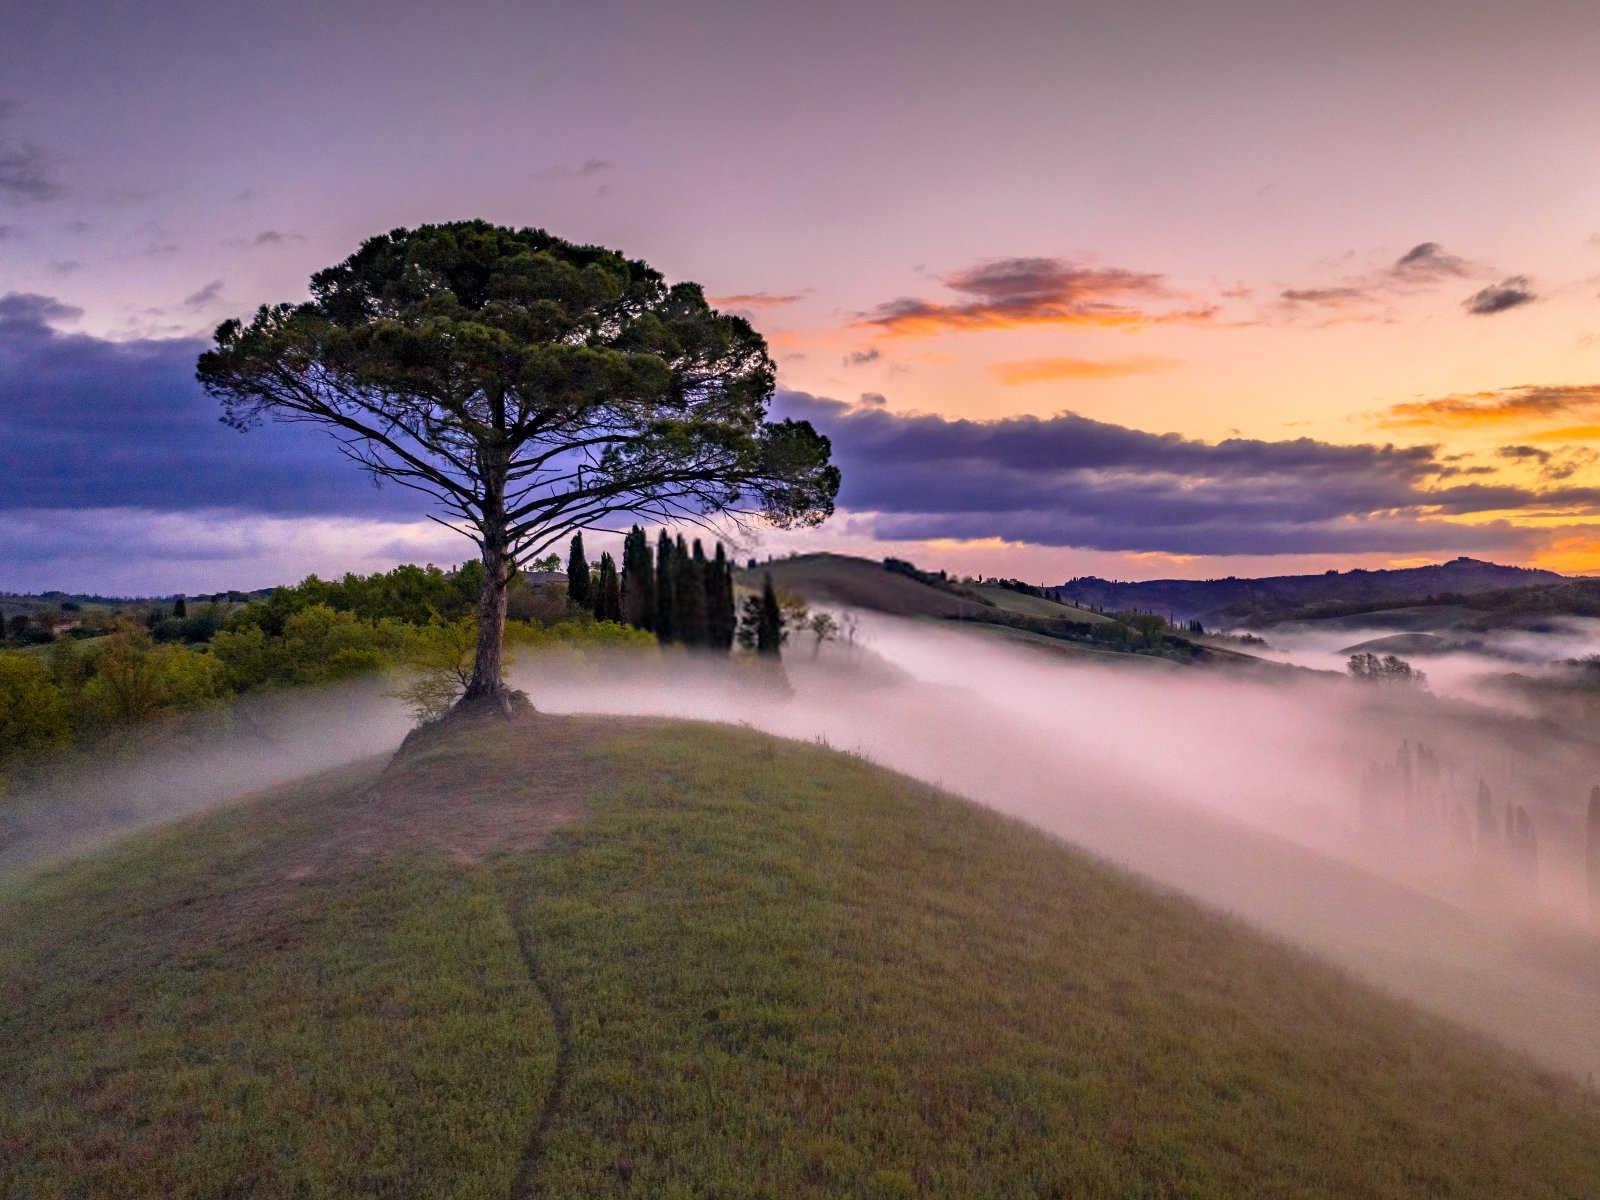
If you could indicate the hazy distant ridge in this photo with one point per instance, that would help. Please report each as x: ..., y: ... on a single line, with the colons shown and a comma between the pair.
x: 1234, y: 600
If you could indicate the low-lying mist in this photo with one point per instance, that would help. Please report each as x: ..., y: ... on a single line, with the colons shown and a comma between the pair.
x: 259, y: 742
x: 1429, y: 844
x: 1458, y: 662
x: 1346, y: 817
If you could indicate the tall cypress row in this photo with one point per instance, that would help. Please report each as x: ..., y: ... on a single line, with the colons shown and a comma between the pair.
x: 578, y: 573
x: 666, y: 598
x: 689, y: 583
x: 721, y: 620
x: 608, y: 593
x: 638, y: 581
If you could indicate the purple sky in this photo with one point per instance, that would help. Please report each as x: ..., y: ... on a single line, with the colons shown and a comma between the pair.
x: 1256, y: 226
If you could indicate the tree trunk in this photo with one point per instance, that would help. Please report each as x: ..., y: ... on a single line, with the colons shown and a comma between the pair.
x: 487, y: 686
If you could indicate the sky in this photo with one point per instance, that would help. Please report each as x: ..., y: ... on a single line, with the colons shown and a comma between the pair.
x: 1128, y: 289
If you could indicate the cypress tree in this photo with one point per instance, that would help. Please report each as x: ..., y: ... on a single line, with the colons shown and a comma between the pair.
x: 608, y: 593
x: 638, y: 581
x: 1592, y: 859
x: 577, y: 574
x: 689, y: 583
x: 769, y: 632
x: 761, y: 628
x: 721, y: 620
x: 666, y: 594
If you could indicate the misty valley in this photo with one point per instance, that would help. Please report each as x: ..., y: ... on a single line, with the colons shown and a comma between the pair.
x: 742, y: 602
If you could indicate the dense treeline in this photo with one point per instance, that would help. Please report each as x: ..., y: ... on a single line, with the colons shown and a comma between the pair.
x: 1569, y: 598
x: 674, y: 591
x: 81, y: 692
x: 152, y: 661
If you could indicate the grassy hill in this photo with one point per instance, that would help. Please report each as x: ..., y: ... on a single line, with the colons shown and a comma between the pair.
x: 1025, y: 605
x: 860, y: 583
x: 866, y: 583
x: 586, y: 958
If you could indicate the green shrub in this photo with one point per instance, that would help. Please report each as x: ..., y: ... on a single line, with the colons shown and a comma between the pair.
x: 34, y: 716
x: 135, y: 680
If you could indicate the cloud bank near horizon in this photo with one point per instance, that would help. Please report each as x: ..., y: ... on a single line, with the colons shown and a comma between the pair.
x: 1070, y: 481
x: 116, y: 461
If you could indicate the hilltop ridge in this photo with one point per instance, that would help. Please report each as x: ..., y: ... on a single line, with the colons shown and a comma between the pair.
x: 596, y: 958
x: 1241, y: 601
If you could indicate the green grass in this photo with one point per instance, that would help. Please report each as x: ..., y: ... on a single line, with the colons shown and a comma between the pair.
x: 660, y: 959
x: 859, y: 583
x: 1038, y: 606
x: 1078, y: 651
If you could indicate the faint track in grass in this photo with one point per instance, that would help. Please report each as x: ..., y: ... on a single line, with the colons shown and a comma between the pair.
x: 533, y: 1152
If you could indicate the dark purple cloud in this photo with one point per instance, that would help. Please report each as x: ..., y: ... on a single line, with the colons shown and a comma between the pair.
x: 1427, y: 262
x: 1072, y: 481
x: 94, y: 423
x: 1423, y: 265
x: 206, y: 295
x: 99, y: 424
x: 1009, y: 292
x: 27, y: 169
x: 1509, y: 293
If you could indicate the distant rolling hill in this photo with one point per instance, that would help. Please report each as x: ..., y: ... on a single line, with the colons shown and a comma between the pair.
x: 860, y: 583
x: 869, y: 584
x: 598, y: 958
x: 1403, y: 643
x: 1019, y: 617
x: 1234, y: 601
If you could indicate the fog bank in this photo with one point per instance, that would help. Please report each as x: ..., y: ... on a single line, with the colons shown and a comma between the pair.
x: 1343, y: 817
x: 1429, y: 845
x: 259, y: 742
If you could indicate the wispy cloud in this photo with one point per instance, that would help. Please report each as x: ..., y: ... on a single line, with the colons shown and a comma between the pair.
x: 1328, y: 297
x: 588, y: 169
x: 755, y: 299
x: 1509, y: 293
x: 206, y: 295
x: 1008, y: 293
x: 27, y: 169
x: 1423, y: 266
x: 1045, y: 370
x: 267, y: 237
x: 1506, y: 406
x: 1427, y: 262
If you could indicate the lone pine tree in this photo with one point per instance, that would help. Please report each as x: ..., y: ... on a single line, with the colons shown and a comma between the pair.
x: 530, y: 387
